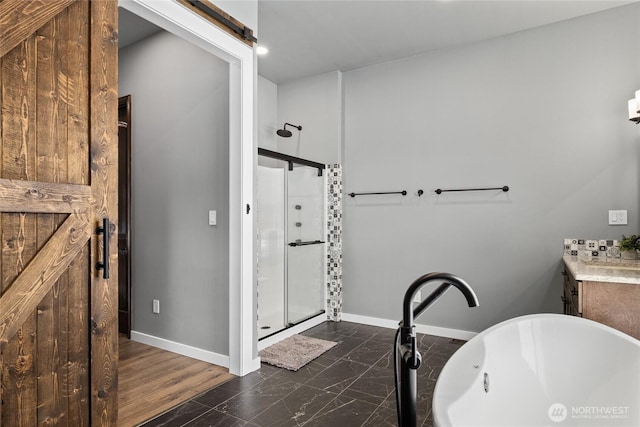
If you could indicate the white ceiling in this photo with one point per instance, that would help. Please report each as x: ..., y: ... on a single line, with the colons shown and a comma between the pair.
x: 308, y: 37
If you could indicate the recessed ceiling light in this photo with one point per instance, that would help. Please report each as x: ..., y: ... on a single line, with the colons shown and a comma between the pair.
x: 261, y: 50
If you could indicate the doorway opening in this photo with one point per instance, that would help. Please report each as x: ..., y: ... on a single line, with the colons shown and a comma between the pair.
x: 176, y: 243
x: 124, y: 215
x: 241, y: 356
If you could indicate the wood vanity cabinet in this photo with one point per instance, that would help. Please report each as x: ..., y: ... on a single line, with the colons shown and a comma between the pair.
x: 572, y: 288
x: 613, y: 304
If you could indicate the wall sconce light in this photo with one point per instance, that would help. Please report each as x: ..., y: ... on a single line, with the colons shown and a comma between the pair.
x: 634, y: 108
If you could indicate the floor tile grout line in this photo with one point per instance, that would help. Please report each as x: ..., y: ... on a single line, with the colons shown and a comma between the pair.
x: 301, y: 384
x: 360, y: 376
x: 212, y: 407
x: 286, y: 395
x: 223, y: 401
x: 378, y: 407
x: 273, y: 404
x: 234, y: 396
x: 341, y: 392
x: 373, y: 365
x: 355, y: 336
x: 170, y: 410
x: 328, y: 403
x: 193, y: 419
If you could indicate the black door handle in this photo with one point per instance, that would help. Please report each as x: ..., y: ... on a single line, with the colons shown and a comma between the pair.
x: 311, y: 242
x: 104, y: 265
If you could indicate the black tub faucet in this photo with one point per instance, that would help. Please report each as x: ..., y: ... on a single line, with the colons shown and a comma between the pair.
x: 410, y: 359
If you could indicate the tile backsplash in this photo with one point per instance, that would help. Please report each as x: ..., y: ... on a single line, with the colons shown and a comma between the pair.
x: 592, y: 248
x: 334, y: 243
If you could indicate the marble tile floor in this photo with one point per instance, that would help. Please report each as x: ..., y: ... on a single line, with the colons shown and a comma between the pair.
x: 350, y: 385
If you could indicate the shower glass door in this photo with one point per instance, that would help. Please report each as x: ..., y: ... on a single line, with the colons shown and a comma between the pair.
x: 290, y: 206
x: 271, y: 204
x: 305, y: 249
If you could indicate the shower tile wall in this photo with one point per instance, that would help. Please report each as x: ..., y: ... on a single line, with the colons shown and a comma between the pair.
x: 334, y: 243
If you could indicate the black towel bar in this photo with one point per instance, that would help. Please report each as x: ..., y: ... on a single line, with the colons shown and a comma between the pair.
x: 403, y: 192
x: 505, y: 189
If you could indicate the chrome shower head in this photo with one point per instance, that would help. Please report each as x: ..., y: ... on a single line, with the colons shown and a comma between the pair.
x: 284, y: 132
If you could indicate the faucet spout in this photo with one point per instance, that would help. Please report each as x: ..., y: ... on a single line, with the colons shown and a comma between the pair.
x: 448, y: 279
x: 406, y: 343
x: 466, y: 290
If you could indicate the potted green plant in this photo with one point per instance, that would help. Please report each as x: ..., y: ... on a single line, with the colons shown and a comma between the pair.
x: 629, y: 246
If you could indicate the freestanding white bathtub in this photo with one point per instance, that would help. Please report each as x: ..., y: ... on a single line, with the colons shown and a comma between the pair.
x: 542, y: 370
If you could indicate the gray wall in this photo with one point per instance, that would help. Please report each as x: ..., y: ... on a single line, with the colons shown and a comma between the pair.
x: 180, y: 98
x: 543, y: 111
x: 267, y: 114
x: 315, y: 104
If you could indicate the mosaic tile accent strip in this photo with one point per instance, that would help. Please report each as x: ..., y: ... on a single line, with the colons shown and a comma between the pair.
x: 334, y: 243
x: 592, y: 248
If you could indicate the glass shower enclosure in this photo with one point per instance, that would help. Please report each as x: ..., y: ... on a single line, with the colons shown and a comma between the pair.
x: 291, y: 241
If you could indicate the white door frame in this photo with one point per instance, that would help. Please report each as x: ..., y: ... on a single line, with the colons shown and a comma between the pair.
x: 182, y: 22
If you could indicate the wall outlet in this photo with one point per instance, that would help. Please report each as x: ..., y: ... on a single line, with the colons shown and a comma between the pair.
x: 213, y: 218
x: 156, y: 306
x: 417, y: 298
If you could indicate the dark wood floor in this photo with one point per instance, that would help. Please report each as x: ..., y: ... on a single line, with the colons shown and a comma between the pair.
x: 350, y: 385
x: 152, y: 381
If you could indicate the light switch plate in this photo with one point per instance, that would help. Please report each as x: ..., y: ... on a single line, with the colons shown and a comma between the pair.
x: 618, y: 217
x: 212, y: 218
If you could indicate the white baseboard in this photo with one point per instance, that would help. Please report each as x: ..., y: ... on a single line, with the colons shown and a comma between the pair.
x: 308, y: 324
x: 421, y: 329
x: 183, y: 349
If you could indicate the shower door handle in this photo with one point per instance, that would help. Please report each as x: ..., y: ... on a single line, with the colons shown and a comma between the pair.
x: 310, y: 242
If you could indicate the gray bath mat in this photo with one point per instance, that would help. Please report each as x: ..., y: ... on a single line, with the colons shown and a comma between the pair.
x: 294, y: 352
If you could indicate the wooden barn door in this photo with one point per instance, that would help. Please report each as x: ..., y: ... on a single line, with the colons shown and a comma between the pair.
x: 58, y: 180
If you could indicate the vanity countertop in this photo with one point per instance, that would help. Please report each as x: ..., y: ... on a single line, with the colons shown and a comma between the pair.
x: 614, y: 270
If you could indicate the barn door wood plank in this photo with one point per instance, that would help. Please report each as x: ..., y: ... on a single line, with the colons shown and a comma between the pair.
x: 19, y: 19
x: 104, y: 185
x: 51, y: 166
x: 76, y: 98
x: 78, y: 93
x: 78, y: 388
x: 37, y: 278
x: 1, y: 233
x: 19, y: 381
x: 43, y: 197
